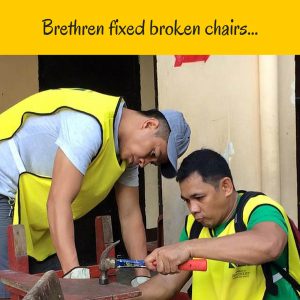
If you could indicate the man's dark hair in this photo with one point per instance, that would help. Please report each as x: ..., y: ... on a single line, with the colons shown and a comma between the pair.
x: 210, y: 165
x: 164, y: 129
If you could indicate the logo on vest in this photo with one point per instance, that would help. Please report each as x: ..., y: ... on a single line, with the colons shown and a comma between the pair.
x: 239, y: 271
x: 240, y: 274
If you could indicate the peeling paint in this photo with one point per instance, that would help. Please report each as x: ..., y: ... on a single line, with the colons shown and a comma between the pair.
x: 229, y: 152
x: 292, y: 97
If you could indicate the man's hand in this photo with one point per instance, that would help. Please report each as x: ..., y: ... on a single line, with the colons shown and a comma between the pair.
x: 166, y: 260
x: 78, y: 273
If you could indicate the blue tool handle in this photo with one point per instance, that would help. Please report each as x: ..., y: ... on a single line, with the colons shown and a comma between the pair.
x: 129, y: 263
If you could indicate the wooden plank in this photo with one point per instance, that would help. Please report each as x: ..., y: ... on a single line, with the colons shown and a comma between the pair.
x: 91, y: 289
x: 46, y: 288
x: 18, y: 283
x: 73, y: 289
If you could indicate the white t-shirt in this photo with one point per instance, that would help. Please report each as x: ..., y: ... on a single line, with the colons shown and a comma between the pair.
x: 77, y: 134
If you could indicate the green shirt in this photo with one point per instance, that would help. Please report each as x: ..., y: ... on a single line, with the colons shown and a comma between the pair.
x: 265, y: 213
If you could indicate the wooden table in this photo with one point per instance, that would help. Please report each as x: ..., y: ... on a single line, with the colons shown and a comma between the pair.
x: 20, y: 284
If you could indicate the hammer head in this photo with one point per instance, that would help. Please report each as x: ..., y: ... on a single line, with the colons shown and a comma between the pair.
x: 106, y: 264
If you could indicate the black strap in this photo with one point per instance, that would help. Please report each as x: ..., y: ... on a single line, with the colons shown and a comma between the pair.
x: 238, y: 220
x: 240, y: 226
x: 287, y: 276
x: 195, y: 230
x: 271, y: 287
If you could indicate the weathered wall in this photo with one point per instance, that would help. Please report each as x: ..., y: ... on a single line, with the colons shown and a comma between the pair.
x: 222, y: 99
x: 18, y: 79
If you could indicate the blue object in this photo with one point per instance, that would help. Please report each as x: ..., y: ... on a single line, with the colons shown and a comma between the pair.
x: 129, y: 263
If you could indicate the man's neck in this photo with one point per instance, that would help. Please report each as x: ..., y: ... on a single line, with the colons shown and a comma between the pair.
x: 232, y: 206
x: 127, y: 122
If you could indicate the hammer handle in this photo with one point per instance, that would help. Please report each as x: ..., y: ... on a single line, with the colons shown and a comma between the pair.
x: 194, y: 265
x: 190, y: 265
x: 129, y: 263
x: 197, y: 264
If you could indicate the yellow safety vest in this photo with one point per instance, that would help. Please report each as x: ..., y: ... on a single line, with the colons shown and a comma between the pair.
x: 228, y: 281
x: 30, y: 206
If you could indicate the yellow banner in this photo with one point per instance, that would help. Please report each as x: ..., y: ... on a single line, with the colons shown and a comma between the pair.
x: 150, y: 27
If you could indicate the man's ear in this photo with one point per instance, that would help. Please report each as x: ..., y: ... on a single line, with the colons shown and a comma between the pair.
x: 151, y: 123
x: 227, y: 186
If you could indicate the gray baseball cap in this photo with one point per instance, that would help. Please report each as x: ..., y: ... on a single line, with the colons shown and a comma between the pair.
x: 178, y: 141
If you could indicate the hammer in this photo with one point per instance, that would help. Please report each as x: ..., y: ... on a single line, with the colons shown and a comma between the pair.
x: 107, y: 263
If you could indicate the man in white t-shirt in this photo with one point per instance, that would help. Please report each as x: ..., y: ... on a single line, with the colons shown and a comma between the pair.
x: 64, y: 144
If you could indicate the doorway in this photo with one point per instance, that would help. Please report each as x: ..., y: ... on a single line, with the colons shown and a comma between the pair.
x: 108, y: 74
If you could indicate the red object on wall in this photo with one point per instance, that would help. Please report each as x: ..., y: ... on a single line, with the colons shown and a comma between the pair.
x: 180, y: 59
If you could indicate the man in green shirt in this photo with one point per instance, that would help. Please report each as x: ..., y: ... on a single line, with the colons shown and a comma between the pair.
x: 238, y: 262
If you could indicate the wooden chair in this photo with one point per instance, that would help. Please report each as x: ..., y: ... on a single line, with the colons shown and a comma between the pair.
x: 48, y: 286
x: 18, y: 259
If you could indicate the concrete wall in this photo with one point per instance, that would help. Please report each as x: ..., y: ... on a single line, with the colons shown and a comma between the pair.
x: 287, y: 134
x: 222, y: 99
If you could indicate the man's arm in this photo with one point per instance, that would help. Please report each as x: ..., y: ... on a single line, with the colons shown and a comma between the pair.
x: 265, y: 242
x: 66, y: 183
x: 132, y: 225
x: 163, y: 287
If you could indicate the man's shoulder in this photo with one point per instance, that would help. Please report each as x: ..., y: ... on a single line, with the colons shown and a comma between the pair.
x: 251, y: 200
x: 266, y: 212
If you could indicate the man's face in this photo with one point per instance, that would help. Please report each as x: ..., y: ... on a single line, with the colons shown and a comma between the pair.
x: 143, y: 147
x: 208, y: 205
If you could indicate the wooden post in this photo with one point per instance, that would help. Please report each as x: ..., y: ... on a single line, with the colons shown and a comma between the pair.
x: 104, y: 235
x: 17, y: 252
